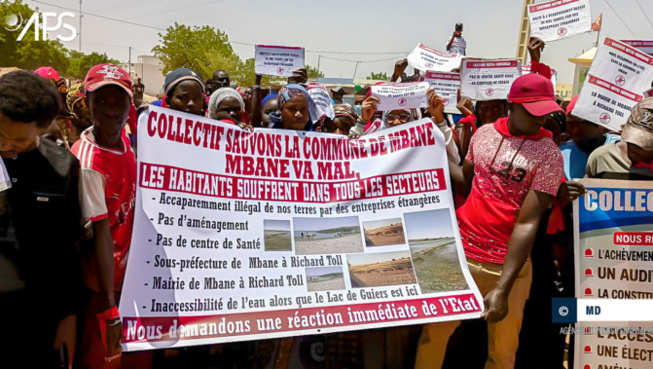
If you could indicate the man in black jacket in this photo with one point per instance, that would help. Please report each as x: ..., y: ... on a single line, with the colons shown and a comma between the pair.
x: 39, y: 228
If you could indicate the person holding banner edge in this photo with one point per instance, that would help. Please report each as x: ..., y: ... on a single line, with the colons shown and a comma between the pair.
x: 513, y: 169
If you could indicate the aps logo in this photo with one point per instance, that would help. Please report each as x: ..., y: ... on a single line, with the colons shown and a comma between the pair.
x: 42, y: 23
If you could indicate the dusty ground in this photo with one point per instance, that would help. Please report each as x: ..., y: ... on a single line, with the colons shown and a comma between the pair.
x: 340, y: 245
x: 334, y: 284
x: 383, y: 274
x: 389, y: 235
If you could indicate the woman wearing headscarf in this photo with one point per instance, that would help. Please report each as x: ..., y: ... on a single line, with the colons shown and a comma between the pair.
x: 226, y: 104
x: 296, y: 109
x: 345, y: 118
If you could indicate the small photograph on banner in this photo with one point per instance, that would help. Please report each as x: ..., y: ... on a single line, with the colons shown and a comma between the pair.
x: 560, y: 19
x: 277, y: 235
x: 327, y: 235
x: 325, y: 279
x: 381, y: 269
x: 433, y: 246
x: 384, y: 232
x: 488, y: 79
x: 278, y: 61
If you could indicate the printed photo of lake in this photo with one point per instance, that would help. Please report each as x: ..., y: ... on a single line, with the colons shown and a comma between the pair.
x: 327, y: 235
x: 433, y: 249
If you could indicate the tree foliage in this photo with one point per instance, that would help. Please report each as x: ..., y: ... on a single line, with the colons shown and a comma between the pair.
x: 31, y: 54
x: 379, y: 76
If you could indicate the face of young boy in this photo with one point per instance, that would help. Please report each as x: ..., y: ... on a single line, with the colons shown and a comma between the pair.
x: 109, y: 108
x: 17, y: 137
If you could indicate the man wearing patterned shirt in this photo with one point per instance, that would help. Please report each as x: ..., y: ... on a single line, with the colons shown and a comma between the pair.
x: 514, y: 170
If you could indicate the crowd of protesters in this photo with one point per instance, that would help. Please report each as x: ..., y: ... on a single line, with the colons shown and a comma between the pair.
x: 66, y: 218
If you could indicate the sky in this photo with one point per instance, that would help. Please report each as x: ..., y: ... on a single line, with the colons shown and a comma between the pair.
x: 429, y: 224
x: 277, y: 225
x: 322, y: 271
x: 360, y: 30
x: 374, y: 224
x: 316, y: 224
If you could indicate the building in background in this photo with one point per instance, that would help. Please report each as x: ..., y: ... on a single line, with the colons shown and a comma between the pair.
x: 150, y: 70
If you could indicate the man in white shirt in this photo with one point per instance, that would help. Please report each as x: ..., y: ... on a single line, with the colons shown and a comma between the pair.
x: 457, y: 44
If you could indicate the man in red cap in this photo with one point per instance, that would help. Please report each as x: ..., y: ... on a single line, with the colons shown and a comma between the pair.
x: 109, y: 191
x: 513, y: 169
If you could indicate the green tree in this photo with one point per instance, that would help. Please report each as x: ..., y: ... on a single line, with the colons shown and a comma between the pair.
x: 80, y: 63
x: 202, y: 49
x: 381, y: 76
x: 27, y: 53
x: 313, y: 73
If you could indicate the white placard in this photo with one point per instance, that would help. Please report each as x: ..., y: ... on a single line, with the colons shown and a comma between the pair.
x: 424, y: 58
x: 322, y: 100
x: 400, y: 95
x: 616, y: 80
x: 645, y: 46
x: 286, y: 233
x: 560, y: 19
x: 278, y: 61
x: 446, y: 85
x: 488, y: 79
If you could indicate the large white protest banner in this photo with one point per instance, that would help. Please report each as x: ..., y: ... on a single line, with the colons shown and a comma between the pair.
x: 616, y: 80
x: 560, y: 19
x: 445, y: 85
x: 613, y: 231
x: 243, y: 235
x: 488, y: 79
x: 278, y: 60
x: 645, y: 46
x: 322, y: 100
x: 400, y: 95
x: 424, y: 58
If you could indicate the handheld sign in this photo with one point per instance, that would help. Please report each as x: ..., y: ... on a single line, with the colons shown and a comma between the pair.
x: 617, y: 77
x: 322, y: 100
x: 645, y: 46
x: 446, y: 86
x: 278, y: 61
x: 286, y: 233
x: 401, y: 95
x: 488, y: 79
x: 560, y: 19
x: 424, y: 58
x: 614, y: 248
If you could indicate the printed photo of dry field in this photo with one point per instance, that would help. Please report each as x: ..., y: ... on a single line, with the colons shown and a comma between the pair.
x: 327, y: 235
x: 433, y: 246
x: 380, y: 269
x: 325, y: 279
x: 384, y: 232
x: 277, y: 235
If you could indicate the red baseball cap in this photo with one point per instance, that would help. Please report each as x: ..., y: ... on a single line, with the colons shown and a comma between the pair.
x: 107, y: 74
x: 47, y: 72
x: 535, y: 93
